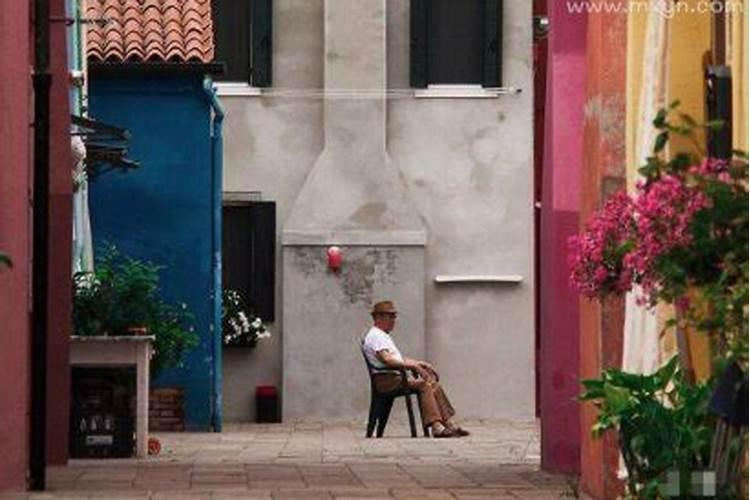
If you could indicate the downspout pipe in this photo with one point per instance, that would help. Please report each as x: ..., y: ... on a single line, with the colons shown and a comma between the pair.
x: 42, y: 81
x: 217, y: 161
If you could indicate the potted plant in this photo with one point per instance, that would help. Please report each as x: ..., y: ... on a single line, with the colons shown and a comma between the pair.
x: 680, y: 239
x: 121, y: 297
x: 662, y: 422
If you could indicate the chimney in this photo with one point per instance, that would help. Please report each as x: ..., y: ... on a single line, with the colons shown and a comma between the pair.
x: 354, y: 198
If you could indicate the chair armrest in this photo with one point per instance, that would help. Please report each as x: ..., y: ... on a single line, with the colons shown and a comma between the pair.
x: 404, y: 378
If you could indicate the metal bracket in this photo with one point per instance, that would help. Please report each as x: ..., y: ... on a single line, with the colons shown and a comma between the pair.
x: 70, y: 21
x: 541, y: 27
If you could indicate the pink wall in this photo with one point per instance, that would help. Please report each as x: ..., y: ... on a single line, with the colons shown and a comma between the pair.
x: 561, y: 192
x: 15, y: 221
x: 61, y: 230
x: 16, y: 57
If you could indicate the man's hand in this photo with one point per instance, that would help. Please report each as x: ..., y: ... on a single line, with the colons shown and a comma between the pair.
x: 423, y: 369
x: 429, y: 368
x: 422, y: 372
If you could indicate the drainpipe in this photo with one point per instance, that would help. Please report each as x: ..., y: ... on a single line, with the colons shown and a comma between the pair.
x: 42, y: 80
x: 217, y: 160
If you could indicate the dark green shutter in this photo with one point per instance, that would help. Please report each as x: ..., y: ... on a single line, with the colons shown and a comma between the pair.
x: 493, y: 35
x: 419, y: 15
x: 263, y: 258
x: 232, y: 38
x: 719, y: 107
x: 262, y: 34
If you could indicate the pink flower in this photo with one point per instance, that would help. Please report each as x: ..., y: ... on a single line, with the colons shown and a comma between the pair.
x: 663, y: 211
x: 595, y: 256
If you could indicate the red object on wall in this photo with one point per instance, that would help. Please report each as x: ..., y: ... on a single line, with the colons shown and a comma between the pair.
x: 334, y: 258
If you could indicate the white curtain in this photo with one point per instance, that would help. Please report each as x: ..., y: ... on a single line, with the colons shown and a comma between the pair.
x: 83, y: 254
x: 641, y: 345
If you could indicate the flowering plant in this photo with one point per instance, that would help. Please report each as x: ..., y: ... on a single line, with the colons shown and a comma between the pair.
x: 237, y: 327
x: 685, y: 227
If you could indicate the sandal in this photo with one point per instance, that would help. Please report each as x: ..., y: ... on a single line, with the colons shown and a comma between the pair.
x: 445, y: 433
x: 458, y: 431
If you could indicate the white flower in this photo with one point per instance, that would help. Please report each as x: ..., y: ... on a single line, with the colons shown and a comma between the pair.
x: 257, y: 323
x: 245, y: 322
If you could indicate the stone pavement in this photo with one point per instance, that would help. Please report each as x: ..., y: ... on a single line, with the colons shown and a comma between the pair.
x: 314, y: 461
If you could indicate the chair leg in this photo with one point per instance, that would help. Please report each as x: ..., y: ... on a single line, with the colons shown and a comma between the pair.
x: 372, y: 417
x: 410, y: 411
x: 385, y: 411
x: 425, y: 428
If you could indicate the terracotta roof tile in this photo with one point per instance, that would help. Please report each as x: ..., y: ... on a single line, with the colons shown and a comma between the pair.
x: 151, y: 30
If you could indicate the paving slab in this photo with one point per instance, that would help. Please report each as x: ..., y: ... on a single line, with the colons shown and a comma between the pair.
x: 313, y: 460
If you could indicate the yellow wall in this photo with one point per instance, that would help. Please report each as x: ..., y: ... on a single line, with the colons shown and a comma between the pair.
x: 737, y: 45
x: 689, y: 38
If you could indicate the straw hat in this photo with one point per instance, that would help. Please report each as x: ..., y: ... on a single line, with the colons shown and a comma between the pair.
x: 383, y: 307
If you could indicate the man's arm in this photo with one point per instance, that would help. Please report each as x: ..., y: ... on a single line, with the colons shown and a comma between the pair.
x: 390, y: 360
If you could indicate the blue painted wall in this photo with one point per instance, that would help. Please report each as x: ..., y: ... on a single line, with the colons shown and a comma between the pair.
x: 163, y: 210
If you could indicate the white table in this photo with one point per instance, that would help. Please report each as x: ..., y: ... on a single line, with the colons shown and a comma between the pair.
x: 120, y: 351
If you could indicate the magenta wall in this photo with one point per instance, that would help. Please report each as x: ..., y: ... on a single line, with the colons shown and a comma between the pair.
x: 561, y: 193
x: 61, y: 231
x: 15, y: 215
x: 15, y: 240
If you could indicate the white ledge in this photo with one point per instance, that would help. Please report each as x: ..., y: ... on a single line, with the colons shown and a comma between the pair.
x: 479, y: 278
x: 463, y: 92
x: 113, y: 338
x: 236, y: 89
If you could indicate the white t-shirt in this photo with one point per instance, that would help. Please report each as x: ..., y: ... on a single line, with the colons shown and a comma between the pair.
x: 377, y: 340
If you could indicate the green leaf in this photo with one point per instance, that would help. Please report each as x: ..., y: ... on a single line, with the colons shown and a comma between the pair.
x: 617, y: 398
x: 674, y: 104
x: 5, y: 260
x: 661, y: 141
x: 661, y: 118
x: 663, y: 375
x: 594, y: 389
x: 715, y: 125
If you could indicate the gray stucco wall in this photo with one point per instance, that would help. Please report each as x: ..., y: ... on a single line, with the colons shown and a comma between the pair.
x: 466, y: 165
x: 328, y: 377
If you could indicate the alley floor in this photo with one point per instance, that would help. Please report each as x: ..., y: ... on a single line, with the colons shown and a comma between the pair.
x: 500, y: 460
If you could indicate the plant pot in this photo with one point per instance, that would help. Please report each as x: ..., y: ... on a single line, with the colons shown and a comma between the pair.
x: 136, y: 330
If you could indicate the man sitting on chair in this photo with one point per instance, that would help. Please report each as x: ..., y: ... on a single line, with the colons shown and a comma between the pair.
x: 383, y: 354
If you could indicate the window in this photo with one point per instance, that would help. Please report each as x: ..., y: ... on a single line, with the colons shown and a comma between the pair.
x: 249, y: 254
x: 242, y: 34
x: 455, y: 42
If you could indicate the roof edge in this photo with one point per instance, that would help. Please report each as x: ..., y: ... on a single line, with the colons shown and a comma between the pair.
x: 161, y: 68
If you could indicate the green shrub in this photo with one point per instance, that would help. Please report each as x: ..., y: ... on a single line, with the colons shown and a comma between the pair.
x: 122, y: 294
x: 663, y: 423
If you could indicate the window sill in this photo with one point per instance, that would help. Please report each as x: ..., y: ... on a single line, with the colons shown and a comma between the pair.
x: 497, y: 278
x: 236, y: 89
x: 463, y: 92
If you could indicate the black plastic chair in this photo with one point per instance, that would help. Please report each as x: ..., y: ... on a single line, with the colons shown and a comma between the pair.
x: 382, y: 402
